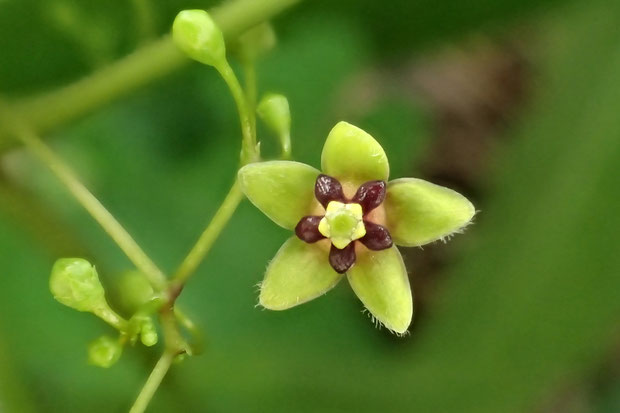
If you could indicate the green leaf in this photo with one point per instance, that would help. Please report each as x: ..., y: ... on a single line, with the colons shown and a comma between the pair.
x: 379, y: 278
x: 350, y: 154
x: 419, y: 212
x: 282, y: 190
x: 298, y: 273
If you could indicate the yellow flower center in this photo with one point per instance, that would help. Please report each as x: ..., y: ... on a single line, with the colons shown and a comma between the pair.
x: 342, y: 223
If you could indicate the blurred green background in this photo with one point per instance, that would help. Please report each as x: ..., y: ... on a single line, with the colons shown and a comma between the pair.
x: 514, y: 103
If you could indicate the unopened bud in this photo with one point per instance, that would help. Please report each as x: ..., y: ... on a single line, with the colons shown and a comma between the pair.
x: 148, y: 333
x: 104, y: 351
x: 273, y: 109
x: 197, y: 35
x: 74, y: 282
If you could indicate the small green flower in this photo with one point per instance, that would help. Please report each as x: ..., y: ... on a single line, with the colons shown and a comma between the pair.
x: 347, y: 221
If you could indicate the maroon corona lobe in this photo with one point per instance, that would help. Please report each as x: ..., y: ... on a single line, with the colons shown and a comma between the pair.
x: 377, y: 237
x: 369, y: 195
x: 327, y: 189
x: 307, y: 229
x: 342, y: 259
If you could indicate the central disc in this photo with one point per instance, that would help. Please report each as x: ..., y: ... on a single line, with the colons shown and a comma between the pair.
x: 342, y: 223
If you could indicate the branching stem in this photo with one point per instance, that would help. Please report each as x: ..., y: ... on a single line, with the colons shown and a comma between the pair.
x: 50, y: 110
x: 26, y: 119
x: 208, y: 237
x: 107, y: 221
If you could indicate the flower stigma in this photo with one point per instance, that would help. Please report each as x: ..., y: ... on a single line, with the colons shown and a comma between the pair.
x: 342, y: 223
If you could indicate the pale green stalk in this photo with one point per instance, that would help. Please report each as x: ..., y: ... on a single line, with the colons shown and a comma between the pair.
x: 246, y: 107
x: 112, y: 318
x: 249, y: 151
x: 249, y: 74
x: 107, y: 221
x: 153, y: 382
x: 208, y: 237
x: 151, y: 62
x: 45, y: 112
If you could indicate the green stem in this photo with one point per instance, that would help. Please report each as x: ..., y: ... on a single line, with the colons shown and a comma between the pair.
x: 208, y: 237
x: 175, y: 345
x: 249, y: 74
x: 248, y: 146
x: 85, y: 198
x: 151, y: 62
x: 153, y: 382
x: 109, y: 316
x: 22, y: 207
x: 47, y: 111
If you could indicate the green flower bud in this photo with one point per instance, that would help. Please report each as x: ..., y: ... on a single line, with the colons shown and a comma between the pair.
x: 254, y: 42
x: 274, y: 110
x: 197, y: 35
x: 74, y: 282
x: 104, y: 352
x: 148, y: 333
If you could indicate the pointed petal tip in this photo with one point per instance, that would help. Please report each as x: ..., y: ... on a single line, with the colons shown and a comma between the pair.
x: 380, y: 281
x: 420, y: 212
x: 401, y: 327
x: 352, y: 154
x: 270, y: 303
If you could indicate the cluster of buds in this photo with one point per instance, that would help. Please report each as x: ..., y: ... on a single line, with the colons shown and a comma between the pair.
x: 75, y: 283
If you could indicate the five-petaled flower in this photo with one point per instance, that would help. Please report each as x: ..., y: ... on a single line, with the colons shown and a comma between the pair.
x: 346, y: 221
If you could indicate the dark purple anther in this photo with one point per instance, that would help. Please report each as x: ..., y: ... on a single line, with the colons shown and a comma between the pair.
x: 370, y: 195
x: 307, y: 229
x: 342, y: 259
x: 377, y: 237
x: 327, y: 189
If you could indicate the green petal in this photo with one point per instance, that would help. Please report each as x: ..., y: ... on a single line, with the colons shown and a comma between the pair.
x: 282, y: 190
x: 379, y: 278
x: 419, y: 212
x: 298, y: 273
x: 350, y: 154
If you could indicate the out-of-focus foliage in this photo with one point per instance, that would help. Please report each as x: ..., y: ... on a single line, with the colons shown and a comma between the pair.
x: 529, y: 302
